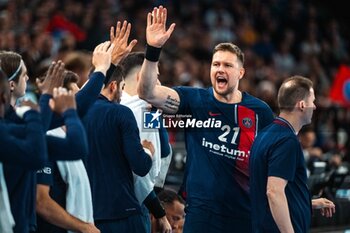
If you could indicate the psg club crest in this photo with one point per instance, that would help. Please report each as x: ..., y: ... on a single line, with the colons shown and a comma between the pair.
x: 247, y: 122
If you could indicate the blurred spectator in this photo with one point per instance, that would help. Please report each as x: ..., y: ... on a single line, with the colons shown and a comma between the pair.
x: 174, y: 207
x: 78, y: 62
x: 312, y: 153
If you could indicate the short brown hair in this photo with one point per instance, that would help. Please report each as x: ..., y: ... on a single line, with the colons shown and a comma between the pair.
x: 10, y: 63
x: 292, y: 90
x: 69, y: 77
x: 231, y: 48
x: 4, y: 88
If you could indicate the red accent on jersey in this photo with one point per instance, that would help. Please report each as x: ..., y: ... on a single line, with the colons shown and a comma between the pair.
x: 247, y: 125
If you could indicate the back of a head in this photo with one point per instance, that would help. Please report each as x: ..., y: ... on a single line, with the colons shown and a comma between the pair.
x: 130, y: 62
x: 114, y: 73
x: 4, y: 88
x: 292, y: 90
x: 70, y: 77
x: 230, y: 47
x: 11, y: 65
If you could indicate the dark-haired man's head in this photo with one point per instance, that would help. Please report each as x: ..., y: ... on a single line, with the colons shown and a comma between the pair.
x: 131, y: 66
x: 113, y: 84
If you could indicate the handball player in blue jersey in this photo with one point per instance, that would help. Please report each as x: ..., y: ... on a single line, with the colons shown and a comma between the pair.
x: 280, y: 197
x: 218, y: 143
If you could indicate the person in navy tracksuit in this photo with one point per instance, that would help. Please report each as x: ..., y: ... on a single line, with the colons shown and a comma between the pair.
x: 115, y: 152
x: 52, y: 187
x: 21, y: 180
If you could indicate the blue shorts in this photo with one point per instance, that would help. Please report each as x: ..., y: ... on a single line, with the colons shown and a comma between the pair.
x: 200, y: 220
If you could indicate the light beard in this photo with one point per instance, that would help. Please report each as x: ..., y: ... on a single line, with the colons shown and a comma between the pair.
x: 223, y: 93
x: 117, y: 97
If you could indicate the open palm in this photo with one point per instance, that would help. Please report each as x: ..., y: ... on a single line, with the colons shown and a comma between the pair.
x: 119, y: 37
x: 156, y: 33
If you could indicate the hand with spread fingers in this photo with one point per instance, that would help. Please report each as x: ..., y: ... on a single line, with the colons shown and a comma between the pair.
x: 102, y: 57
x: 156, y: 33
x: 119, y: 37
x: 326, y: 206
x: 62, y: 100
x: 54, y: 78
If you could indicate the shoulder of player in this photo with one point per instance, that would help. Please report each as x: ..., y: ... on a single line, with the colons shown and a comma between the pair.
x: 121, y: 111
x: 252, y: 100
x: 282, y: 133
x: 191, y: 90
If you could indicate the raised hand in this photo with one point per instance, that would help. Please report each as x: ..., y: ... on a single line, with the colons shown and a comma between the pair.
x: 119, y: 38
x: 156, y: 33
x: 102, y: 57
x: 62, y: 100
x: 54, y: 78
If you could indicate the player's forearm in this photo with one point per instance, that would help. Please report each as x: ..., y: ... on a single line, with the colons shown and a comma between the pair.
x: 280, y: 211
x: 56, y: 215
x: 147, y: 80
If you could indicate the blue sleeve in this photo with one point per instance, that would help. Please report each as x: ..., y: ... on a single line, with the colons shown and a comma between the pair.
x: 74, y: 146
x: 266, y: 117
x: 89, y: 93
x: 164, y: 142
x: 150, y: 197
x: 140, y: 162
x: 44, y: 175
x: 282, y: 161
x: 185, y: 95
x: 164, y: 139
x: 84, y: 98
x: 24, y: 144
x: 45, y: 110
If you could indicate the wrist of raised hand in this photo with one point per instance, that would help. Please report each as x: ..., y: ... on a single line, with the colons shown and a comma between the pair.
x: 152, y: 53
x: 103, y: 70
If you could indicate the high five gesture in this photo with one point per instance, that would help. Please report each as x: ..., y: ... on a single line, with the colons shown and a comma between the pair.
x: 119, y: 38
x: 156, y: 33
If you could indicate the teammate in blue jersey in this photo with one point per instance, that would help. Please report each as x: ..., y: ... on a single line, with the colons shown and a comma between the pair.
x: 64, y: 200
x: 115, y: 152
x: 20, y: 180
x: 20, y: 144
x: 280, y: 197
x: 218, y: 143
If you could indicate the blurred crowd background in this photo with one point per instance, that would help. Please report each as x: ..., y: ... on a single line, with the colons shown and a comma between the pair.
x: 279, y: 38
